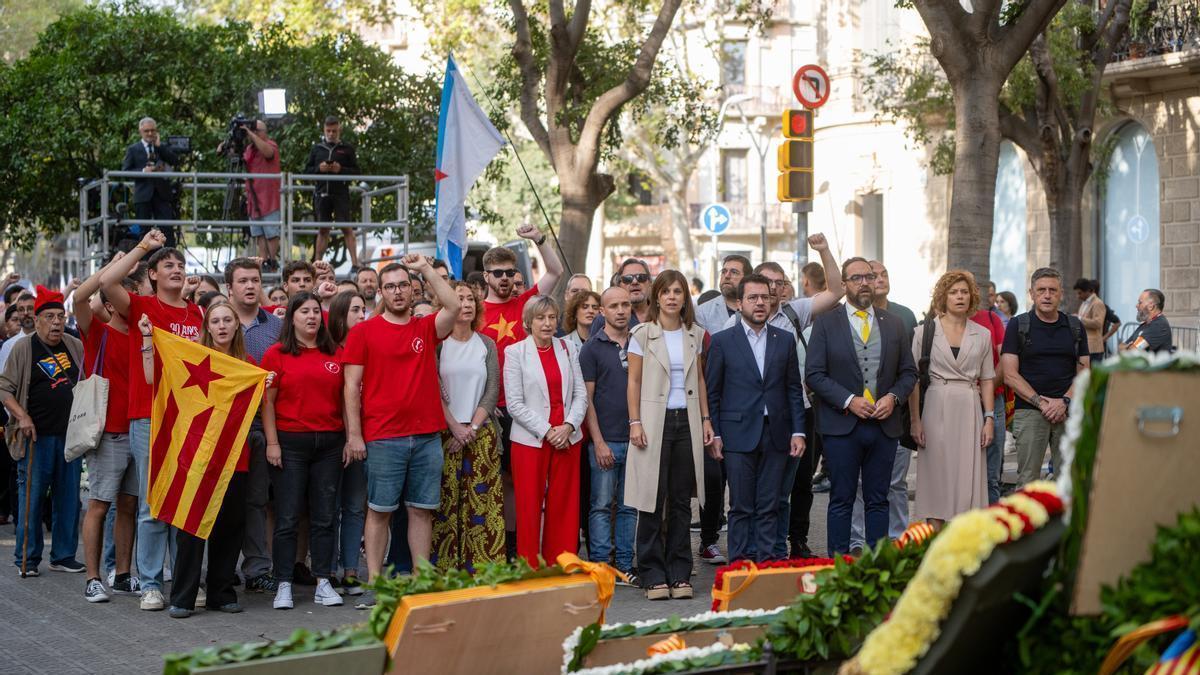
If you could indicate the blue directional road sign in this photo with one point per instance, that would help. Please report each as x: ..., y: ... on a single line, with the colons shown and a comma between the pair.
x: 715, y: 218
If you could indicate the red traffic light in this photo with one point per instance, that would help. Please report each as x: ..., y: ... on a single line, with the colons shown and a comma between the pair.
x: 798, y: 123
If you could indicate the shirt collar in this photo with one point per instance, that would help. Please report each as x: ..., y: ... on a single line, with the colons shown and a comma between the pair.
x: 750, y: 332
x: 851, y: 309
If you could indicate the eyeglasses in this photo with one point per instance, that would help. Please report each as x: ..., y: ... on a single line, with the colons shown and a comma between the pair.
x: 862, y: 278
x: 639, y: 278
x: 502, y: 273
x: 395, y: 288
x: 752, y: 299
x: 775, y: 283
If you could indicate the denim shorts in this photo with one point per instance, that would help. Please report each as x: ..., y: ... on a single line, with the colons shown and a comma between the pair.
x: 111, y: 469
x: 267, y: 229
x: 408, y: 467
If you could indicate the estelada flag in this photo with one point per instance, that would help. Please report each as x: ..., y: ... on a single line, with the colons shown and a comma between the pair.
x: 204, y: 402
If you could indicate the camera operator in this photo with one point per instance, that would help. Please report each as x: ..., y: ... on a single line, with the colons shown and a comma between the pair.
x: 332, y: 198
x: 261, y: 155
x: 151, y: 196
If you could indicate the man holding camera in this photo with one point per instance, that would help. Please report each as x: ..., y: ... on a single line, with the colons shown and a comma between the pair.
x: 151, y: 196
x: 332, y: 198
x: 262, y: 156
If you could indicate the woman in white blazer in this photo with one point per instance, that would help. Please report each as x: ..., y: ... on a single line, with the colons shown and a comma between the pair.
x: 547, y: 400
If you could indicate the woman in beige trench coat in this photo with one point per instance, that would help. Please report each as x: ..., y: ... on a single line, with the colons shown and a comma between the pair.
x: 668, y: 429
x: 955, y: 428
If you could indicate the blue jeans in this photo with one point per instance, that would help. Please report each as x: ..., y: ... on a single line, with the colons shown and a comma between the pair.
x: 995, y: 454
x: 609, y: 485
x: 154, y: 537
x: 44, y: 468
x: 110, y: 544
x: 869, y: 454
x: 352, y: 496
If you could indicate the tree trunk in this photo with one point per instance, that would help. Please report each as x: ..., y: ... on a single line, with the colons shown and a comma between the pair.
x: 976, y: 158
x: 680, y: 230
x: 581, y: 196
x: 1066, y: 233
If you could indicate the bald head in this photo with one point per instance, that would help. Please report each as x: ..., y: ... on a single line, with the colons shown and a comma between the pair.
x: 616, y: 304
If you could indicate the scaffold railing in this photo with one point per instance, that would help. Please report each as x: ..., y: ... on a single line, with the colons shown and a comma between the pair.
x: 99, y: 216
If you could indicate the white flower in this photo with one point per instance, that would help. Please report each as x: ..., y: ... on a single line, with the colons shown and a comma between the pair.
x: 642, y: 665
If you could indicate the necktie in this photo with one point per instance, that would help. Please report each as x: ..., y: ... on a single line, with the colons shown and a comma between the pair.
x: 866, y: 334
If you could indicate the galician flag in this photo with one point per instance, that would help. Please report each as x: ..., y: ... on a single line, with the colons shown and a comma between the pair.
x: 204, y: 402
x: 466, y: 142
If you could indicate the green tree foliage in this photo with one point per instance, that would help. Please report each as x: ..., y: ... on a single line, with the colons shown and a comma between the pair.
x: 22, y: 20
x: 307, y: 17
x: 72, y: 106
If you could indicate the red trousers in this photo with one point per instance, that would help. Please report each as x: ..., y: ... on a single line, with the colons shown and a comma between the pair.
x: 546, y: 487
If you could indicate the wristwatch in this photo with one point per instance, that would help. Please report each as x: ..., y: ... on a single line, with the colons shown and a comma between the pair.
x: 541, y: 241
x: 990, y: 413
x: 474, y: 427
x: 1067, y: 400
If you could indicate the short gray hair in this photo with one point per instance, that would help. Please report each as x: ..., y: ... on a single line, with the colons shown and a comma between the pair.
x: 538, y: 304
x: 146, y: 120
x: 1045, y: 273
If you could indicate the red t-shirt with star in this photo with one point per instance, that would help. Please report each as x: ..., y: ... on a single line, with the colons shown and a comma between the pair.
x: 113, y: 367
x: 400, y: 391
x: 310, y: 389
x: 182, y: 321
x: 502, y: 323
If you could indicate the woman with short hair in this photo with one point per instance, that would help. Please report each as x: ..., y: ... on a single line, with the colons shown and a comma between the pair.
x: 547, y: 400
x: 582, y: 309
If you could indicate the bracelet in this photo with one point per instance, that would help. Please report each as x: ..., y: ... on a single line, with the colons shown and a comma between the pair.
x: 633, y: 422
x: 147, y: 350
x: 147, y: 335
x: 989, y: 413
x: 142, y: 245
x: 706, y: 418
x: 541, y: 241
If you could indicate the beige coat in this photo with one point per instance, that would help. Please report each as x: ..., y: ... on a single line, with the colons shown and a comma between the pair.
x: 1091, y: 315
x: 15, y: 381
x: 641, y: 464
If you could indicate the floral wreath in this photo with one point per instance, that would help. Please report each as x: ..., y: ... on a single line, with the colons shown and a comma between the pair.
x: 958, y: 552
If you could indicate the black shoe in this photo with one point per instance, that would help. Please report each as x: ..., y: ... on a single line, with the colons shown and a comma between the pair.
x: 271, y: 265
x: 821, y: 485
x: 179, y: 612
x: 632, y: 579
x: 69, y: 565
x: 263, y: 583
x: 125, y: 584
x: 303, y: 576
x: 856, y: 551
x: 230, y: 608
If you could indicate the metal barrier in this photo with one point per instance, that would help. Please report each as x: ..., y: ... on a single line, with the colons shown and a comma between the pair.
x: 195, y: 182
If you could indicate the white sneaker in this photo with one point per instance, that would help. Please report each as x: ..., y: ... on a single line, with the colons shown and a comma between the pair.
x: 112, y: 576
x: 201, y: 597
x: 325, y: 594
x: 152, y: 600
x: 283, y: 596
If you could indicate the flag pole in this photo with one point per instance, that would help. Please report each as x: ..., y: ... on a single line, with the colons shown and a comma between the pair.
x: 557, y: 244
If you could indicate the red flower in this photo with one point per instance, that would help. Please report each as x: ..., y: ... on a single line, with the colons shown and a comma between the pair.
x: 769, y: 564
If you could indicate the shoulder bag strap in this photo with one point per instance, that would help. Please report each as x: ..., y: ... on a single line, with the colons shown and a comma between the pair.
x: 98, y: 366
x: 927, y: 331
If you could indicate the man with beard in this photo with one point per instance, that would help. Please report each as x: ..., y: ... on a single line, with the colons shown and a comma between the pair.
x: 169, y: 311
x: 368, y: 286
x: 758, y: 422
x: 634, y: 276
x: 1153, y: 333
x: 502, y: 323
x: 714, y: 313
x: 36, y: 389
x: 396, y: 426
x: 861, y: 368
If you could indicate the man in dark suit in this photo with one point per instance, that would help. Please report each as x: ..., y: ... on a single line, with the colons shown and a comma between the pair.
x: 861, y: 368
x: 151, y: 196
x: 756, y: 400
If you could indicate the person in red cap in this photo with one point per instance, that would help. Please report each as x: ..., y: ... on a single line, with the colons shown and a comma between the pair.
x: 36, y: 388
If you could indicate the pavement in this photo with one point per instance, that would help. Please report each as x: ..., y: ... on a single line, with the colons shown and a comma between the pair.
x: 50, y: 629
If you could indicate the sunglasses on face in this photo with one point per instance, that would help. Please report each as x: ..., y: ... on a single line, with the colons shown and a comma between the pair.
x: 502, y: 273
x: 624, y: 356
x: 639, y: 278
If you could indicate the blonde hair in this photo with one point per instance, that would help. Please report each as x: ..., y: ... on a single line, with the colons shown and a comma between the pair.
x: 947, y: 281
x: 237, y: 346
x: 538, y: 304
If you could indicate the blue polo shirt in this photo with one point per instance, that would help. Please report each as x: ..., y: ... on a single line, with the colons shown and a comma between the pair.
x: 601, y: 363
x: 261, y: 334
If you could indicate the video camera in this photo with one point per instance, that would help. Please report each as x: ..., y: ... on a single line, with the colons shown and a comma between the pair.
x: 235, y: 138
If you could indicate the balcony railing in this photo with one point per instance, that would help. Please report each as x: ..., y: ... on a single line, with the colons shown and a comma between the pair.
x: 1170, y: 26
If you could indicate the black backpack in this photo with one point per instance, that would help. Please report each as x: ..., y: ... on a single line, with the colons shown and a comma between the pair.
x: 906, y: 439
x: 1023, y: 322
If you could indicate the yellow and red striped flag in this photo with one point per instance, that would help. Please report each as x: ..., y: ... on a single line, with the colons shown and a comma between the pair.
x: 204, y: 402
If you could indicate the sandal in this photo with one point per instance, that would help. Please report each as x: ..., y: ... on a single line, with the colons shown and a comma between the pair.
x: 658, y: 592
x: 681, y: 590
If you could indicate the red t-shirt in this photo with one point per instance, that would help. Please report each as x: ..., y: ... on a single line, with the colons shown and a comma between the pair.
x: 266, y: 190
x: 182, y: 321
x: 502, y: 323
x: 310, y: 389
x: 114, y: 367
x: 400, y: 392
x: 553, y: 384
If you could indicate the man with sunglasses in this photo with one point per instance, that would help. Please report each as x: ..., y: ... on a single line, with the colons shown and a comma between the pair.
x: 605, y: 366
x: 714, y: 313
x: 502, y: 323
x: 634, y: 276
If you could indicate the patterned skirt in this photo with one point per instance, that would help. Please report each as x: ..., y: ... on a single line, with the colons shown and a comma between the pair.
x: 468, y: 527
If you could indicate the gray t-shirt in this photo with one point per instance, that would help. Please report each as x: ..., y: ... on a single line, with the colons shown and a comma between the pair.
x: 1152, y: 336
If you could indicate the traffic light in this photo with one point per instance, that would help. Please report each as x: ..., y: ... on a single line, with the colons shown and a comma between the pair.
x: 796, y: 157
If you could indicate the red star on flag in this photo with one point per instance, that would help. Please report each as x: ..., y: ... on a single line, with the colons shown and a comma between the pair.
x: 200, y: 375
x: 438, y: 174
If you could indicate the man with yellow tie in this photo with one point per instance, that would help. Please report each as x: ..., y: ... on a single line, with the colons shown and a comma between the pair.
x: 861, y: 368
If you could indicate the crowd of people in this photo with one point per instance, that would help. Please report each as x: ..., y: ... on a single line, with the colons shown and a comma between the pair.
x: 411, y: 417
